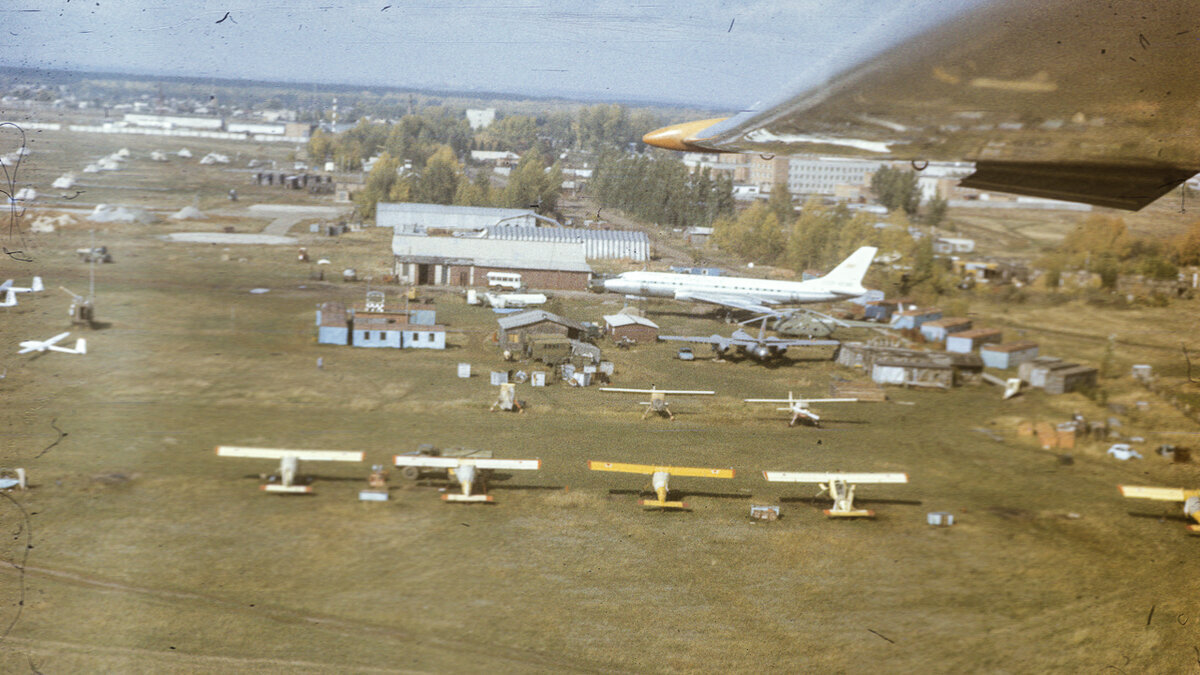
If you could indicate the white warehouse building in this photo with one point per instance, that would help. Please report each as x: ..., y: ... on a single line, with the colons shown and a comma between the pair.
x: 411, y: 216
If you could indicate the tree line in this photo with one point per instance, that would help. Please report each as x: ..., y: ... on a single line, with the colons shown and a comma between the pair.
x: 659, y: 188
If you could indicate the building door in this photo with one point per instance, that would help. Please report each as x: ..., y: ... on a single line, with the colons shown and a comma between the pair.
x: 462, y: 277
x: 424, y: 272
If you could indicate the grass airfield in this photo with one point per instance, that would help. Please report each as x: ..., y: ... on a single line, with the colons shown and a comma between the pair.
x: 150, y: 554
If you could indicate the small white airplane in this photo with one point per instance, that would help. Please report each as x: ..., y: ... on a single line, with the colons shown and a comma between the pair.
x: 659, y: 476
x: 50, y: 345
x: 752, y: 295
x: 1190, y: 499
x: 468, y: 471
x: 507, y: 300
x: 36, y: 287
x: 799, y: 407
x: 658, y: 398
x: 840, y: 487
x: 289, y: 463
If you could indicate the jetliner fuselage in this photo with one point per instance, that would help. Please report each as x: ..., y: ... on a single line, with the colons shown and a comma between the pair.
x: 680, y: 286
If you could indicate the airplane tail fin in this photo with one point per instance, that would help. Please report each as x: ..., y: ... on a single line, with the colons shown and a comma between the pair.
x: 36, y: 286
x: 848, y: 275
x: 81, y: 345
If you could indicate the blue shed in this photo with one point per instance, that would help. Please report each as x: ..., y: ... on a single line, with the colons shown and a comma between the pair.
x: 333, y: 326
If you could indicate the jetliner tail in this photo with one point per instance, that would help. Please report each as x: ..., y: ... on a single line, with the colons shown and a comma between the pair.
x: 847, y: 277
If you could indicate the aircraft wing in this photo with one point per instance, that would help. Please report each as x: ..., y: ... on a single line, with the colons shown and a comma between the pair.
x: 651, y: 468
x: 1069, y: 99
x: 1159, y: 493
x: 280, y: 453
x: 726, y: 300
x: 825, y: 477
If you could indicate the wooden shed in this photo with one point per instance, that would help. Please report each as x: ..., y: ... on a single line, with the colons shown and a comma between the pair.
x: 1065, y: 380
x: 937, y: 330
x: 968, y: 341
x: 1008, y: 354
x: 914, y: 318
x: 630, y: 328
x: 536, y: 321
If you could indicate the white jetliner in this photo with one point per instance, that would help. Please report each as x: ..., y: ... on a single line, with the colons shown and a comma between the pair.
x: 35, y: 287
x: 44, y: 345
x: 752, y: 295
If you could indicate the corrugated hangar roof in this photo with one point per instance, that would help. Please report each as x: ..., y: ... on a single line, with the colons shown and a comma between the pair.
x: 565, y: 256
x: 390, y: 214
x: 536, y: 316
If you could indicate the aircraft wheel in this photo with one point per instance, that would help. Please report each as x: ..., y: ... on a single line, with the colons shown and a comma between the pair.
x: 410, y: 472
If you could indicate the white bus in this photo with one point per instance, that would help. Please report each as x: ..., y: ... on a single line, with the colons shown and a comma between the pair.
x: 511, y: 280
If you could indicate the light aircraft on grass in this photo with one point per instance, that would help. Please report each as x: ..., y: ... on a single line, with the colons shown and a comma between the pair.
x: 658, y: 398
x: 748, y: 294
x: 36, y: 287
x: 761, y: 348
x: 1190, y: 499
x: 289, y: 463
x: 468, y: 471
x: 659, y: 477
x: 51, y: 345
x: 799, y: 407
x: 840, y: 487
x: 1043, y: 102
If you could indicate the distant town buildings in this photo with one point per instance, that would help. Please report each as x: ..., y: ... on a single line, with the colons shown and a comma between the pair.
x: 480, y: 118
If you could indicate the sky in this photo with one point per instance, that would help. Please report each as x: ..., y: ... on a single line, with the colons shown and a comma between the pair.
x: 706, y: 53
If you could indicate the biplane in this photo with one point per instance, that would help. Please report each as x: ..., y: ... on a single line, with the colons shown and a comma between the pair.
x: 659, y: 478
x: 840, y: 487
x: 52, y: 345
x: 658, y: 398
x: 289, y: 463
x: 799, y: 407
x: 1190, y: 499
x: 468, y: 471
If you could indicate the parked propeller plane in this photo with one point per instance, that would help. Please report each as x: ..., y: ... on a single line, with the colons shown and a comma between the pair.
x: 468, y: 471
x: 1190, y: 499
x: 658, y: 398
x: 799, y: 407
x: 840, y: 487
x: 659, y: 477
x: 51, y: 345
x: 289, y: 463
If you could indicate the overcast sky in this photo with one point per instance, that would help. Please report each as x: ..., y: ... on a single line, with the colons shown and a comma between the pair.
x: 708, y: 53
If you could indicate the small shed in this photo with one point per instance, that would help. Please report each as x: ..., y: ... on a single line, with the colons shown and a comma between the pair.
x: 914, y: 318
x: 913, y: 372
x: 1064, y: 380
x: 937, y: 330
x: 879, y: 310
x: 514, y: 326
x: 1036, y: 372
x: 967, y: 341
x: 630, y: 328
x: 1008, y: 354
x: 333, y: 325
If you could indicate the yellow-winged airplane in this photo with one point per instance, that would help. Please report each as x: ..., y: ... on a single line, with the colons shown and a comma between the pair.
x: 1078, y: 100
x: 659, y: 477
x: 1190, y: 499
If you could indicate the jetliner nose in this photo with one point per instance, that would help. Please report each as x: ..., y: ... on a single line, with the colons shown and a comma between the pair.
x: 680, y: 136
